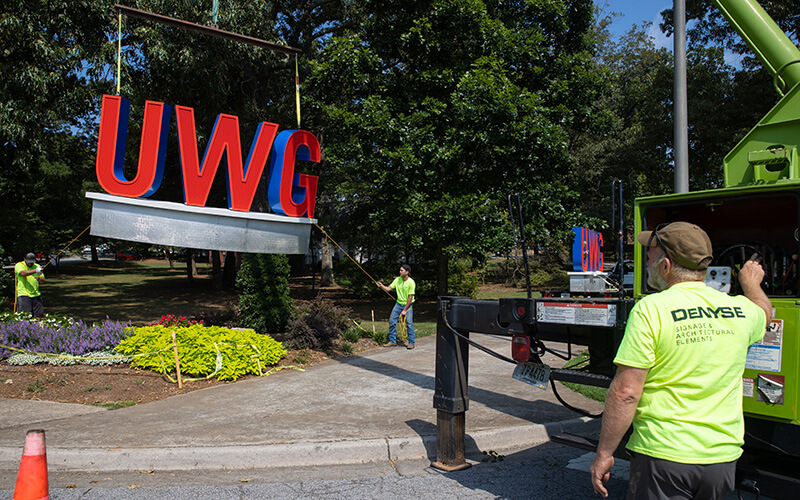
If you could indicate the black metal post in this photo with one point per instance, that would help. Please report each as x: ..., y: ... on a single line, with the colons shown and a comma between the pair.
x: 450, y: 398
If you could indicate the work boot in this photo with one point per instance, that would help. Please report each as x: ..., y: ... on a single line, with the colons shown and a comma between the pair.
x: 390, y: 344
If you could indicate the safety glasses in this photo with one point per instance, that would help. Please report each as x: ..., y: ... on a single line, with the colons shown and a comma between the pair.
x: 658, y: 238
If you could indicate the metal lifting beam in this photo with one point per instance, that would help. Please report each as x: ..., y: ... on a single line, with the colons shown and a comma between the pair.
x: 206, y: 30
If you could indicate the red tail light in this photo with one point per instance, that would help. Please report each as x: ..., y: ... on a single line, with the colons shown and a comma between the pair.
x: 521, y: 348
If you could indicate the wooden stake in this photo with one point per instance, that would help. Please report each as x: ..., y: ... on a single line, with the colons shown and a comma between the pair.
x: 177, y: 363
x: 373, y: 322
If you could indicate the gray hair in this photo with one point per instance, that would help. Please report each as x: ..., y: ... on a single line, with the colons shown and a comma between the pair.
x: 686, y: 274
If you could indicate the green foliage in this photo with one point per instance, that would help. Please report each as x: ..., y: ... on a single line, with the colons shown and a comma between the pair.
x: 96, y: 358
x: 461, y: 281
x: 441, y: 109
x: 347, y: 348
x: 217, y: 318
x: 357, y: 282
x: 50, y: 55
x: 115, y: 405
x: 303, y: 356
x: 318, y: 323
x: 264, y: 301
x: 243, y: 351
x: 548, y: 274
x: 380, y: 337
x: 37, y: 386
x: 351, y: 335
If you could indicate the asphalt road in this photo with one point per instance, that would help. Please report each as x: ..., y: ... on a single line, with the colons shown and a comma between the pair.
x: 548, y: 472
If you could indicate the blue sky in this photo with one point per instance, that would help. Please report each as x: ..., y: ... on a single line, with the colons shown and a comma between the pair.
x: 638, y: 12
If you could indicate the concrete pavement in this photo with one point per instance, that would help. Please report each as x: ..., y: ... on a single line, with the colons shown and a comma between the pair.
x: 373, y: 407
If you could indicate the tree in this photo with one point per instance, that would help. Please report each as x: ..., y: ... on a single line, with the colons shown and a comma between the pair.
x: 264, y: 302
x: 441, y: 109
x: 635, y: 143
x: 214, y: 75
x: 47, y: 95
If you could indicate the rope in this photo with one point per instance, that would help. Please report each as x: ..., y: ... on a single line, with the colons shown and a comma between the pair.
x: 47, y: 264
x: 119, y: 51
x: 65, y: 248
x: 402, y: 330
x: 297, y: 90
x: 214, y: 12
x: 351, y: 258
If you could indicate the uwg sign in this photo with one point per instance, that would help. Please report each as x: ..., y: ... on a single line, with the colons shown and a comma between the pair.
x: 288, y: 193
x: 587, y: 250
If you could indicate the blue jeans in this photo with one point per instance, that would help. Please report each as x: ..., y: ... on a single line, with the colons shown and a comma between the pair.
x: 395, y: 317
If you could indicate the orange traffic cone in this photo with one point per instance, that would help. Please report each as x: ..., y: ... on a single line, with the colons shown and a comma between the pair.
x: 32, y: 476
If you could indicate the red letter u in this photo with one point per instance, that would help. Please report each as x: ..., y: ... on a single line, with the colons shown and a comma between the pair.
x: 111, y: 147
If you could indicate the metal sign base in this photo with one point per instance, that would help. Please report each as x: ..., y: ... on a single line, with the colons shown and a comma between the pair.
x: 175, y: 224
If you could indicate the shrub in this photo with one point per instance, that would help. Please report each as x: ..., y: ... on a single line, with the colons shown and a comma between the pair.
x: 380, y: 337
x: 97, y: 358
x: 352, y: 335
x: 264, y: 302
x: 318, y: 323
x: 460, y: 282
x: 60, y: 336
x: 241, y: 351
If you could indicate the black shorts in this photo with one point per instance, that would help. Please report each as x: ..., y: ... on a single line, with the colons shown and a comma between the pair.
x: 656, y: 479
x: 33, y: 305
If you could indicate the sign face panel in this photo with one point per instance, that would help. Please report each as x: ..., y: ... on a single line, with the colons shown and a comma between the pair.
x: 289, y: 194
x: 587, y: 250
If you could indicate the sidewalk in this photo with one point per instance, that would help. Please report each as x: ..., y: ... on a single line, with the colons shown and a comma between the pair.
x: 359, y: 409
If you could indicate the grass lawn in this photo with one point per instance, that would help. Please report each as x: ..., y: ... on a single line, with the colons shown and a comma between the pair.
x: 142, y: 292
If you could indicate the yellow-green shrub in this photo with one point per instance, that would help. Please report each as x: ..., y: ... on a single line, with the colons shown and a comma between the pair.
x: 241, y: 350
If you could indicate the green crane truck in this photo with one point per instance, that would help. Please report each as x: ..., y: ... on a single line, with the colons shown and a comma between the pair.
x: 757, y: 211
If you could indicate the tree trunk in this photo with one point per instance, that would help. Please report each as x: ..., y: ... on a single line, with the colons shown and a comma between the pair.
x: 168, y: 253
x: 326, y: 259
x: 229, y: 272
x: 191, y: 264
x: 441, y: 271
x: 95, y: 256
x: 216, y: 270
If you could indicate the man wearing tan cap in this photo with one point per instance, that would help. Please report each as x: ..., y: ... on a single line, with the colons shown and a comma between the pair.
x: 28, y: 274
x: 679, y: 373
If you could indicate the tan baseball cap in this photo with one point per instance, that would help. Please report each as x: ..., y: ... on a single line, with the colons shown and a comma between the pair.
x: 683, y: 242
